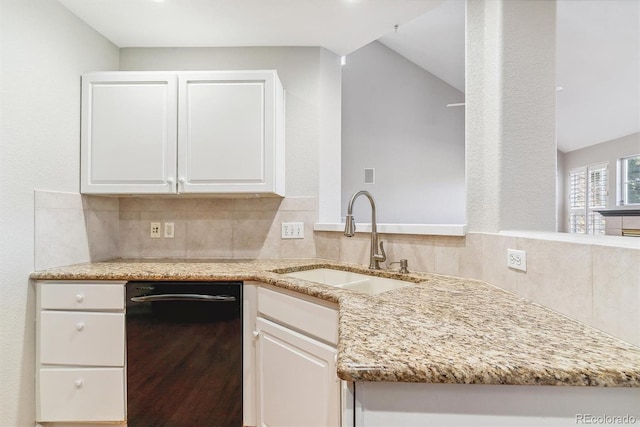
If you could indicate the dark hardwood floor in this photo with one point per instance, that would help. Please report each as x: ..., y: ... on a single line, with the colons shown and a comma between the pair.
x: 183, y: 374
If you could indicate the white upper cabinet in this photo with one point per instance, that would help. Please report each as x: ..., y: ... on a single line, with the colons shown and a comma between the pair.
x: 228, y: 132
x: 217, y: 132
x: 129, y: 132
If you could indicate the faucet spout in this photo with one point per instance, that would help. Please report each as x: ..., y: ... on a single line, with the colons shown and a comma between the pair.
x: 350, y: 229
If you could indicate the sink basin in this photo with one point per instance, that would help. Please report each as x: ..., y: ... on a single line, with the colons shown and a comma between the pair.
x: 365, y: 284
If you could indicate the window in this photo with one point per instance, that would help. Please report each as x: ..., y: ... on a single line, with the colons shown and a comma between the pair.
x: 629, y: 180
x: 587, y: 193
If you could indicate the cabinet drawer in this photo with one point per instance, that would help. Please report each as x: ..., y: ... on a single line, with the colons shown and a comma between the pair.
x: 313, y: 319
x: 81, y: 394
x: 82, y: 338
x: 82, y: 296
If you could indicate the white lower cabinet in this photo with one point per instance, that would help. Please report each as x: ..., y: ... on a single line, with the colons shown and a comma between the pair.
x: 297, y: 383
x: 81, y: 394
x: 80, y: 353
x: 384, y: 404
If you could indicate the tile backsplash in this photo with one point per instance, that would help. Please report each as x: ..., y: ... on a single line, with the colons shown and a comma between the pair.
x: 71, y: 228
x: 598, y: 284
x: 216, y: 228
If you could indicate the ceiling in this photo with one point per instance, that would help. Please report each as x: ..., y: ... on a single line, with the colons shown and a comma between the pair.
x: 598, y: 43
x: 341, y: 26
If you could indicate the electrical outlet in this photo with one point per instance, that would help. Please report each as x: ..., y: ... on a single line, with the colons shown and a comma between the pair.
x: 293, y: 230
x: 517, y: 259
x: 169, y: 230
x: 154, y: 232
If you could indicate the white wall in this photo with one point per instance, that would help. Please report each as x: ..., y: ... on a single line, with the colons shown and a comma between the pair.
x: 44, y: 50
x: 608, y: 151
x: 395, y: 120
x: 511, y: 110
x: 303, y: 72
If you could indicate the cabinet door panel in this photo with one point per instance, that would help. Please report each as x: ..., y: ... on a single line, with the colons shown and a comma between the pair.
x: 226, y: 132
x: 67, y: 394
x: 297, y: 382
x: 129, y: 132
x: 82, y: 338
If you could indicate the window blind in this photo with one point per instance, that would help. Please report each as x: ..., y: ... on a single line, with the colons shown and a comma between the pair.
x: 588, y: 192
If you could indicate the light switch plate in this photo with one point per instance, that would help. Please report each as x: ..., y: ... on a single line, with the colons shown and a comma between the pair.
x: 293, y: 230
x: 169, y: 230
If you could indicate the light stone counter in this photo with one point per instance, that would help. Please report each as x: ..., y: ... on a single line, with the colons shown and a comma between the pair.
x: 441, y: 329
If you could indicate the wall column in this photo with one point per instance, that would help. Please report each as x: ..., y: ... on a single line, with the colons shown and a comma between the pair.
x: 511, y: 115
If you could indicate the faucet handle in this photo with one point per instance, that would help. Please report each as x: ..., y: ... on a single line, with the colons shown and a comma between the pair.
x: 381, y: 257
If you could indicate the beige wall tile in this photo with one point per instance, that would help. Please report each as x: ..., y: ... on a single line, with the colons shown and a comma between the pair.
x: 209, y: 234
x: 446, y: 250
x: 418, y: 252
x: 131, y: 234
x: 616, y: 292
x: 613, y: 222
x: 131, y: 204
x: 103, y: 234
x: 257, y: 204
x: 558, y: 276
x: 70, y: 228
x: 470, y: 260
x: 327, y: 245
x: 206, y: 204
x: 355, y: 249
x: 101, y: 203
x: 252, y: 236
x: 494, y: 255
x: 60, y: 237
x: 631, y: 222
x: 299, y: 204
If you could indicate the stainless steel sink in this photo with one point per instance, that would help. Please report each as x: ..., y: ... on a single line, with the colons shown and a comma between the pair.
x: 363, y: 283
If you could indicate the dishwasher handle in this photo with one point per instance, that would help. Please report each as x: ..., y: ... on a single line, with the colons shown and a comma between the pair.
x: 184, y: 297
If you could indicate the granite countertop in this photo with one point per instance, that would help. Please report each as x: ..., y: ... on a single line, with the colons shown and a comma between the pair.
x: 441, y: 329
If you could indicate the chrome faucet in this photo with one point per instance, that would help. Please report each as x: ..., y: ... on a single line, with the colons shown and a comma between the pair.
x: 350, y: 229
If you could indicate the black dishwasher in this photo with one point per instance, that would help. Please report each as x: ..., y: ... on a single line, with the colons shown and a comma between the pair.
x: 184, y: 354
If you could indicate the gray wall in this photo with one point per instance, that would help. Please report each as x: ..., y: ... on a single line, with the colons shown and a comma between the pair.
x: 608, y: 151
x: 395, y: 120
x: 44, y: 51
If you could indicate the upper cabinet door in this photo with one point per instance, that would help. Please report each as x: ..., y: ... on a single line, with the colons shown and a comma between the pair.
x: 129, y: 133
x: 230, y: 132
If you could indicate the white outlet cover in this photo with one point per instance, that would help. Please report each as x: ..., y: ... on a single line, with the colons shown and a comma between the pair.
x: 154, y: 230
x: 517, y: 259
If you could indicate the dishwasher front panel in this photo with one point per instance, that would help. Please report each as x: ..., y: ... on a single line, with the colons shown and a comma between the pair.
x: 184, y: 354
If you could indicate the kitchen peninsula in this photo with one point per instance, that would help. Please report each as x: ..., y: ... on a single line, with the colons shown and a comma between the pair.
x: 441, y: 331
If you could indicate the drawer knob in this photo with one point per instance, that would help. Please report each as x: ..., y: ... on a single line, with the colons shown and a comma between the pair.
x: 79, y: 298
x: 78, y: 383
x: 256, y: 334
x: 80, y: 326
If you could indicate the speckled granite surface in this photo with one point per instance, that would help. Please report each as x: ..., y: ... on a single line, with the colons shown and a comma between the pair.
x: 438, y: 330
